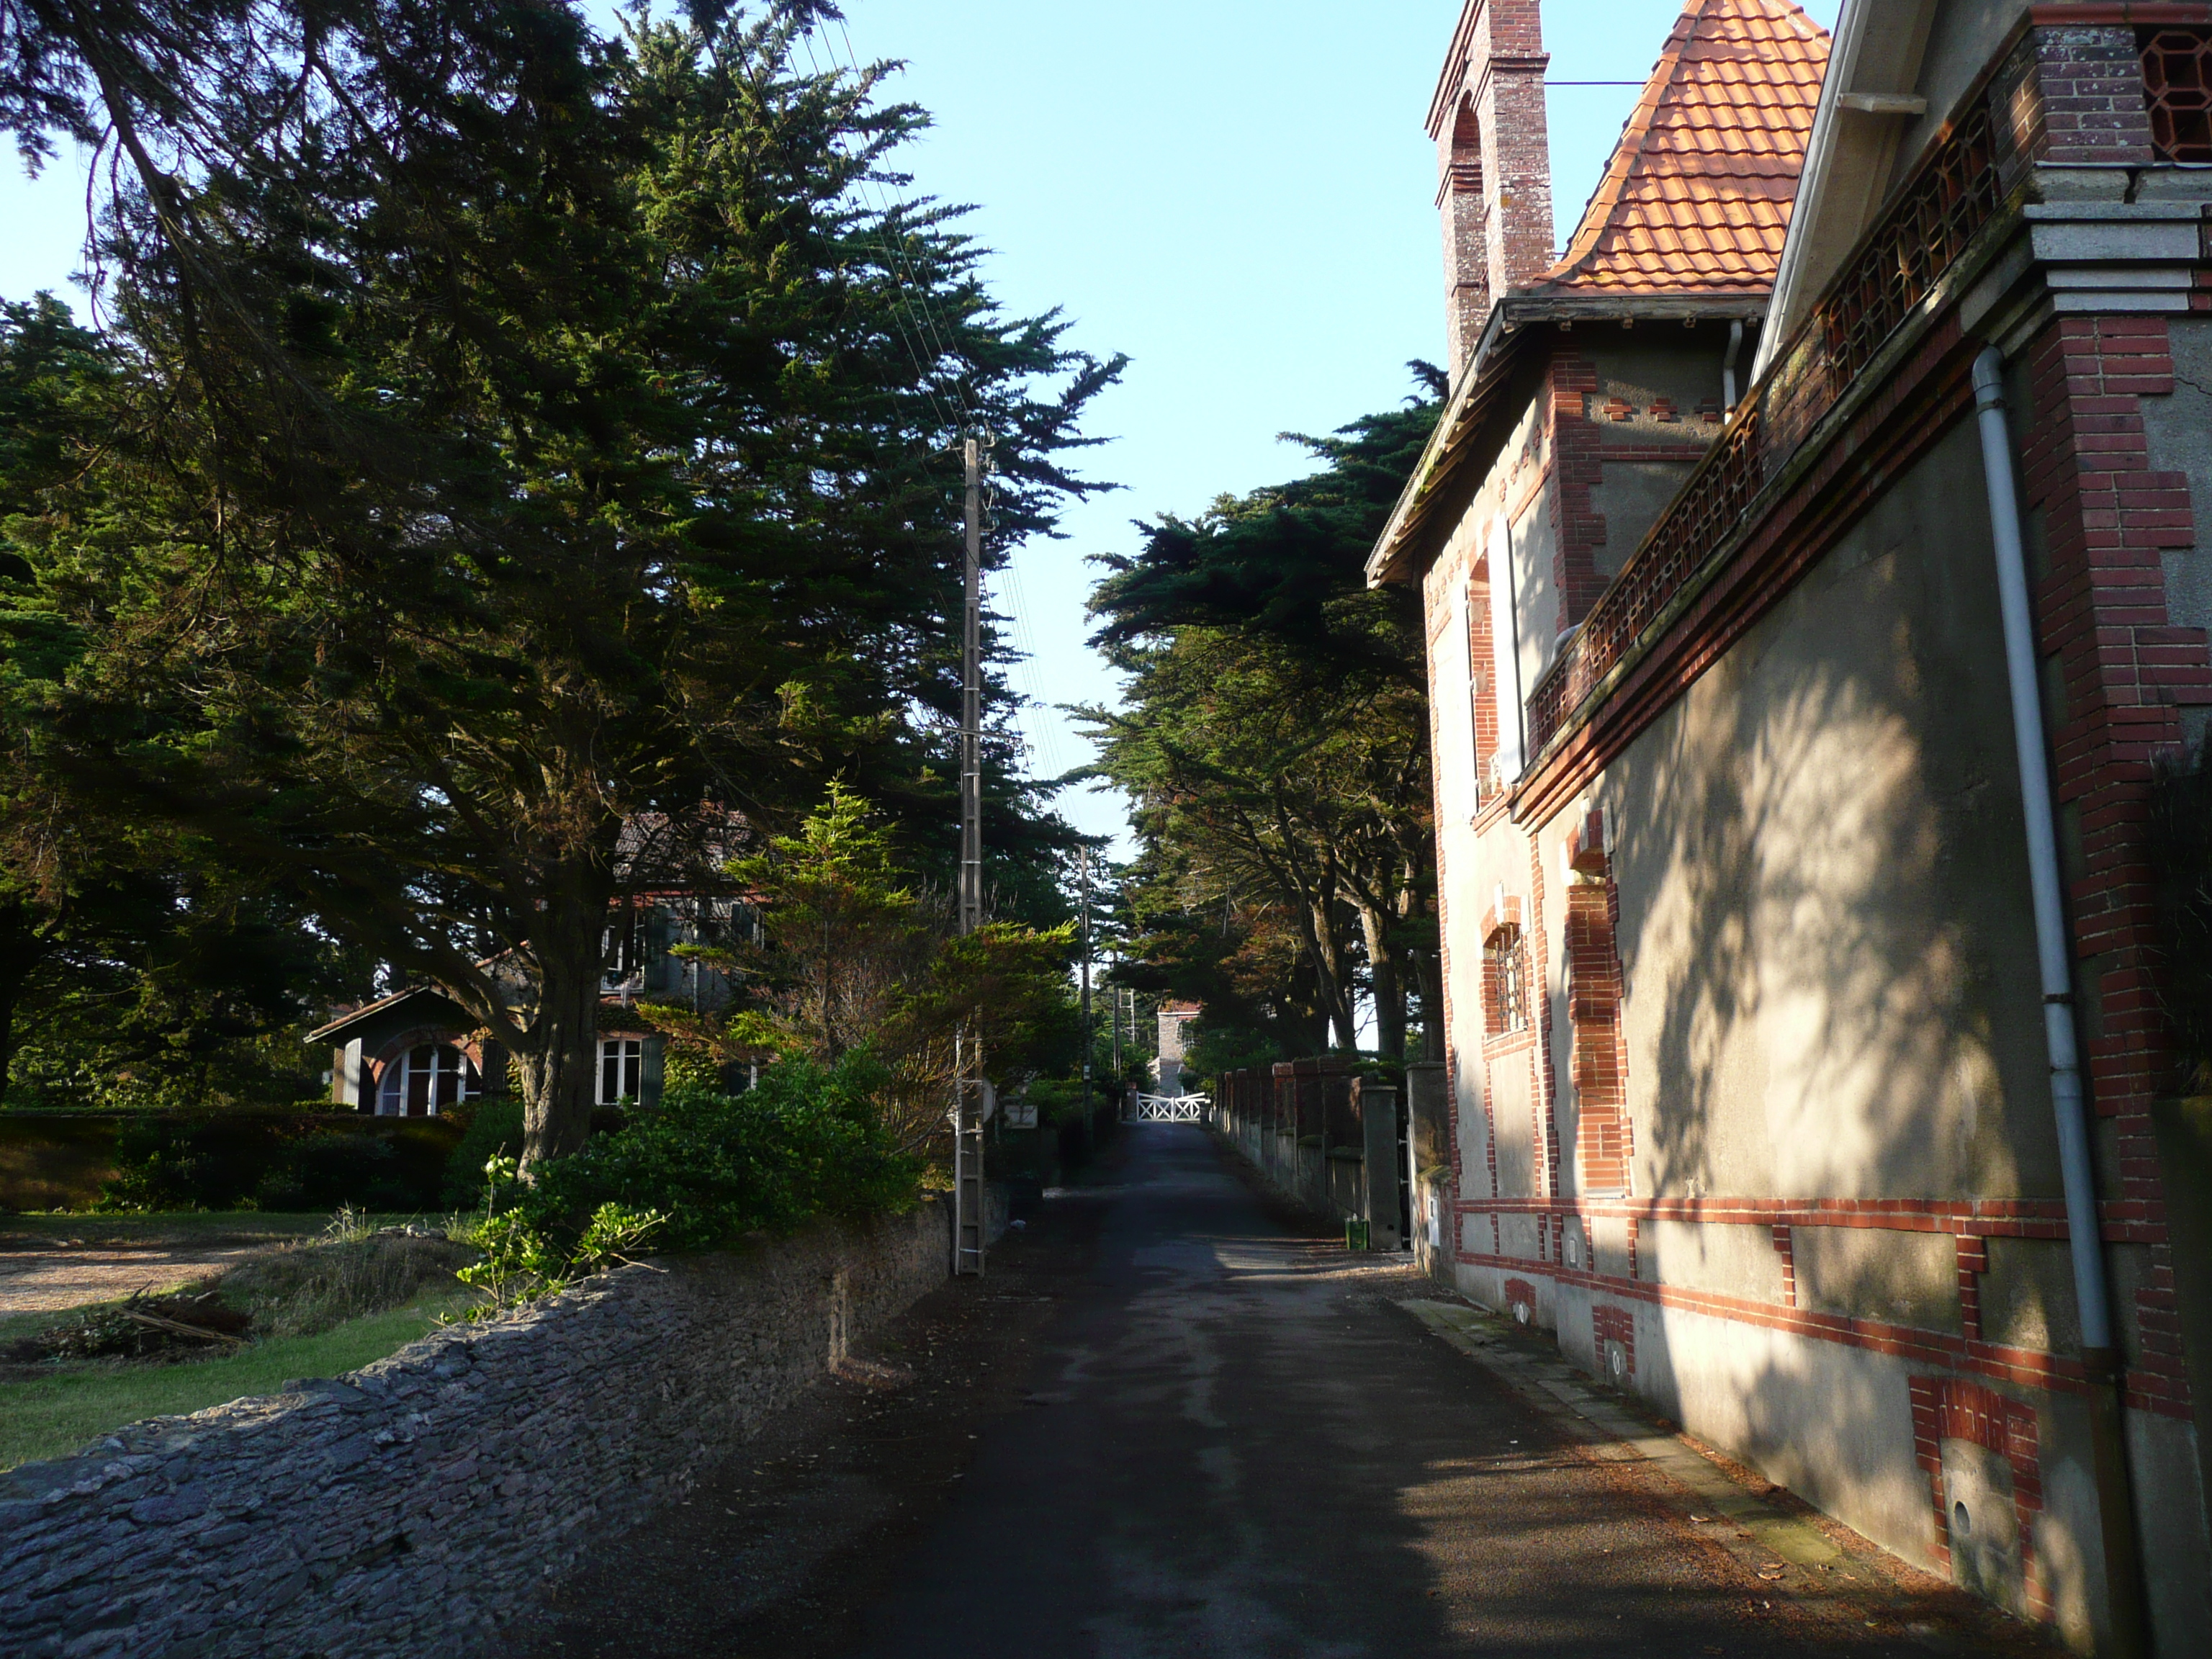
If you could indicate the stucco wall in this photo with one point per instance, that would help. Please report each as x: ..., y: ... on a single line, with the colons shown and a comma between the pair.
x: 1827, y: 956
x: 419, y: 1505
x: 1823, y: 886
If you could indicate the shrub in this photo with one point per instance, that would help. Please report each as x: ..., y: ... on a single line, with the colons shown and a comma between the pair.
x: 494, y: 1130
x: 700, y: 1171
x: 270, y: 1161
x: 808, y: 1141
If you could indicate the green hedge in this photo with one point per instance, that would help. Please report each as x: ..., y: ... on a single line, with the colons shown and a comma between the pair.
x: 227, y: 1161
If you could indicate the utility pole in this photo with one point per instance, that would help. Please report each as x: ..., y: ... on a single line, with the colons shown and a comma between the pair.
x: 972, y: 704
x: 969, y: 1196
x: 1083, y: 857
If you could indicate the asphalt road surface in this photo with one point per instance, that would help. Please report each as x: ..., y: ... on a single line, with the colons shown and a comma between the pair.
x: 1215, y: 1436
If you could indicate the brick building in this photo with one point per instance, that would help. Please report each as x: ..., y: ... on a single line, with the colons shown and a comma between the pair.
x: 1174, y: 1018
x: 1811, y: 580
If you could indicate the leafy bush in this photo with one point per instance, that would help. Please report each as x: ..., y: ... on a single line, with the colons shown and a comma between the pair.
x: 494, y: 1130
x: 808, y: 1141
x: 700, y: 1170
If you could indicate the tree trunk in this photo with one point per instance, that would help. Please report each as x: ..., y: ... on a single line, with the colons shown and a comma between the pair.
x: 1328, y: 970
x: 1389, y: 984
x: 21, y: 948
x: 558, y: 1062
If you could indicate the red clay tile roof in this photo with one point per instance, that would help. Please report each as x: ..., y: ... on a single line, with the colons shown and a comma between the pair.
x: 1696, y: 197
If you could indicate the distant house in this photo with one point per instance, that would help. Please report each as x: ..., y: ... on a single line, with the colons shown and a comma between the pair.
x: 1811, y: 580
x: 1174, y: 1019
x: 417, y: 1051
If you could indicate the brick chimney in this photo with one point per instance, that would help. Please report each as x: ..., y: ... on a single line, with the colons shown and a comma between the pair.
x: 1493, y: 161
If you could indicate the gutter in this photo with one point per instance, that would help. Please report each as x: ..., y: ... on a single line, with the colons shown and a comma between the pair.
x: 2054, y: 946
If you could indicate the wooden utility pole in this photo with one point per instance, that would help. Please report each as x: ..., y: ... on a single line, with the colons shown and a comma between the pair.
x: 972, y: 704
x: 969, y: 1196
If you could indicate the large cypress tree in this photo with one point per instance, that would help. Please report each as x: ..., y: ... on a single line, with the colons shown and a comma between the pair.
x: 511, y: 435
x: 1274, y: 736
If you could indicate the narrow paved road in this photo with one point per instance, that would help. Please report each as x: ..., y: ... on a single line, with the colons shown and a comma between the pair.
x: 1232, y: 1443
x: 1252, y: 1451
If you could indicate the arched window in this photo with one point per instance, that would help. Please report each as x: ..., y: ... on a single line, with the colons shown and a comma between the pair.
x: 1467, y: 236
x: 1505, y: 981
x: 425, y: 1080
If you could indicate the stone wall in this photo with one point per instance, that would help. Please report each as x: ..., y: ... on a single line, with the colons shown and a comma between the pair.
x: 417, y: 1505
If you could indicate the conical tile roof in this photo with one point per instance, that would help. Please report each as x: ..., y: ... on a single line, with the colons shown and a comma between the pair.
x: 1696, y: 197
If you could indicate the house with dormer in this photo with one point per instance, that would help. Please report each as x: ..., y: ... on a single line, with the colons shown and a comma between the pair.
x: 415, y: 1052
x: 1811, y: 582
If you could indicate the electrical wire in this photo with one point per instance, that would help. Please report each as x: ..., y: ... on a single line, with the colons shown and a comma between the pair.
x: 914, y: 331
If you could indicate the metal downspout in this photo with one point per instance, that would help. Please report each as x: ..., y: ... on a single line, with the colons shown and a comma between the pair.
x: 2053, y: 951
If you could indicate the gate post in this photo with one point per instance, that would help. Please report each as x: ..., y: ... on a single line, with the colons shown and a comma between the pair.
x: 1433, y: 1223
x: 1383, y: 1168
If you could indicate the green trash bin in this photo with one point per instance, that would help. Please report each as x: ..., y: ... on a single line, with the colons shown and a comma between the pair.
x: 1355, y: 1233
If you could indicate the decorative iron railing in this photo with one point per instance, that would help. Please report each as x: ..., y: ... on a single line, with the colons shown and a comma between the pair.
x: 2176, y: 69
x: 1954, y: 192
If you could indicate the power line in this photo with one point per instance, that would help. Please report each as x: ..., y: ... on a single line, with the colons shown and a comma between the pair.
x: 902, y: 279
x: 853, y: 62
x: 917, y: 295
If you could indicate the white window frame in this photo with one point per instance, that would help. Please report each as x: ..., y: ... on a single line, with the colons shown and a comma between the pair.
x: 439, y: 1063
x: 622, y: 1060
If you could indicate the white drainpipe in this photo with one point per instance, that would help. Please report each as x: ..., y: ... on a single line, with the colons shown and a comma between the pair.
x: 2053, y: 951
x: 1728, y: 368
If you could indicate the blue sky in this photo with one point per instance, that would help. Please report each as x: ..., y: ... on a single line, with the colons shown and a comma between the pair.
x: 1238, y: 193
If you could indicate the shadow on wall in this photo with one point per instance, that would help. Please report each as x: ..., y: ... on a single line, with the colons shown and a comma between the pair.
x: 1822, y: 882
x: 1829, y: 966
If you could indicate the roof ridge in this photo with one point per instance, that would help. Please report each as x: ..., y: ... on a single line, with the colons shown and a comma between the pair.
x: 1628, y: 150
x: 1732, y: 233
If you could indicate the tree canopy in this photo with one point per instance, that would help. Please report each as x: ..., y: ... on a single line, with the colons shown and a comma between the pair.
x: 500, y: 433
x: 1275, y: 737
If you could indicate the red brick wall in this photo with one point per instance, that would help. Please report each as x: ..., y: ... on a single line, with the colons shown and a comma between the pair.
x: 2107, y: 518
x: 1579, y: 467
x: 1948, y: 1408
x: 2091, y: 104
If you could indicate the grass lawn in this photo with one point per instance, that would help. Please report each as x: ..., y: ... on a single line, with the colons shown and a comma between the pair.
x: 52, y: 1417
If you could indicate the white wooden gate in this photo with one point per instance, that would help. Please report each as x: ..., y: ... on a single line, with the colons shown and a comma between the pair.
x: 1168, y: 1108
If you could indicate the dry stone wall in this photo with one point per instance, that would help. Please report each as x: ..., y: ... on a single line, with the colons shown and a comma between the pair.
x: 418, y: 1505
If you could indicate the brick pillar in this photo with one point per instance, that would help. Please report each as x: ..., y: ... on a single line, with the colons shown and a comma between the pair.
x: 1493, y: 163
x: 2091, y: 94
x: 2126, y: 671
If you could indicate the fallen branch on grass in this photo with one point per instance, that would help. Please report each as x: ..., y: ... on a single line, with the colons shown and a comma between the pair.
x: 177, y: 1328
